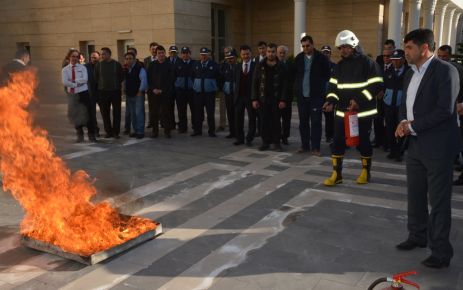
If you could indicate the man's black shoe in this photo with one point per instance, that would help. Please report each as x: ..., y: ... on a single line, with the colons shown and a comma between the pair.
x: 167, y: 134
x: 117, y: 136
x: 212, y: 135
x: 196, y: 134
x: 229, y: 136
x: 108, y: 136
x: 390, y: 156
x: 126, y: 132
x: 92, y: 139
x: 436, y: 263
x: 236, y: 143
x: 132, y: 135
x: 277, y: 148
x: 149, y: 126
x: 264, y: 147
x: 181, y: 131
x: 284, y: 141
x: 409, y: 245
x: 140, y: 136
x: 154, y: 135
x: 399, y: 158
x: 80, y: 139
x: 249, y: 143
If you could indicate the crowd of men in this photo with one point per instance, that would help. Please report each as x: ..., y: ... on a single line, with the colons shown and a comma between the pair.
x: 411, y: 98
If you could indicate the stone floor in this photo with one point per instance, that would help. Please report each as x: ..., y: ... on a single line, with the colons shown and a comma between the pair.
x: 233, y: 218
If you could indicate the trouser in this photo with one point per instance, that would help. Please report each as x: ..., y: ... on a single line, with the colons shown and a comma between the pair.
x: 338, y: 147
x: 271, y: 127
x: 329, y: 124
x: 110, y: 99
x: 310, y: 122
x: 184, y: 98
x: 162, y: 112
x: 391, y: 116
x: 286, y: 115
x: 127, y: 118
x: 378, y: 123
x: 429, y: 180
x: 94, y: 99
x: 136, y: 109
x: 172, y: 110
x: 151, y: 108
x: 84, y: 99
x: 222, y: 111
x: 201, y: 101
x: 229, y: 99
x: 240, y: 107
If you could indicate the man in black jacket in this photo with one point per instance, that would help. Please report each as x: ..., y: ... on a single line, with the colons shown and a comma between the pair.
x: 242, y: 98
x: 311, y: 73
x: 183, y: 78
x: 93, y: 88
x: 286, y: 113
x: 160, y: 83
x: 269, y: 94
x: 19, y: 63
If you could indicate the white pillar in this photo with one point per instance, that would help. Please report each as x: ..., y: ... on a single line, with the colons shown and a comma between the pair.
x: 428, y: 7
x: 448, y: 25
x: 395, y: 21
x: 453, y: 35
x: 414, y: 11
x: 299, y: 24
x: 439, y: 22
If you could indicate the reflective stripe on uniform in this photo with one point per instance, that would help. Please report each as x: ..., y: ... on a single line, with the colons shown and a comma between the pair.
x: 333, y: 81
x: 360, y: 85
x: 332, y: 95
x: 367, y: 94
x: 367, y: 113
x: 360, y: 115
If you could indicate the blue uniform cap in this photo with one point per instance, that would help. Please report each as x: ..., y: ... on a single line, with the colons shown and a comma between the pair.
x: 397, y: 54
x: 204, y: 50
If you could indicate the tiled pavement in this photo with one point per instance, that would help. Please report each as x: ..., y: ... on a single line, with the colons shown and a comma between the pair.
x: 233, y: 217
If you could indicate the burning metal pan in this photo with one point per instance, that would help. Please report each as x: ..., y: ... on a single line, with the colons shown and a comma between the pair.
x: 94, y: 258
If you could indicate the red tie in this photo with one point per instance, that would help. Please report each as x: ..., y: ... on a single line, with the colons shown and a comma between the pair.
x: 73, y: 78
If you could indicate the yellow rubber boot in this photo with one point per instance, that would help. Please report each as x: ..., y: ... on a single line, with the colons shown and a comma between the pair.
x: 336, y: 176
x: 364, y: 177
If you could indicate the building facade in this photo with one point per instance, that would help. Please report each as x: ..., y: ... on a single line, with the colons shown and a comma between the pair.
x: 50, y: 27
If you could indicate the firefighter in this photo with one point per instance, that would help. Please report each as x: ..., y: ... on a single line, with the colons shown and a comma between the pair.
x: 353, y: 87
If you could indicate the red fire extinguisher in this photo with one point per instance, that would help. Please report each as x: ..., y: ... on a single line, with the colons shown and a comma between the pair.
x: 397, y: 281
x: 351, y: 128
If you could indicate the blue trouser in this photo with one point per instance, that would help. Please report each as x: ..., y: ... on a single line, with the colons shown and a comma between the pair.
x: 136, y: 109
x: 310, y: 122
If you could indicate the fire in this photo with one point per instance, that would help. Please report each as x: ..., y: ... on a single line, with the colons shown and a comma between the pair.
x: 57, y: 203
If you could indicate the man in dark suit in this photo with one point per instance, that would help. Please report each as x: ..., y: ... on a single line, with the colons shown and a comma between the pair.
x: 311, y: 73
x: 19, y: 63
x: 287, y: 112
x: 242, y: 98
x: 147, y: 61
x: 429, y: 121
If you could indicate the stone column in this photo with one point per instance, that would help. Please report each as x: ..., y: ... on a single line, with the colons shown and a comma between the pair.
x: 299, y: 24
x: 428, y: 7
x: 414, y: 11
x: 395, y: 21
x: 453, y: 35
x: 439, y: 13
x: 448, y: 25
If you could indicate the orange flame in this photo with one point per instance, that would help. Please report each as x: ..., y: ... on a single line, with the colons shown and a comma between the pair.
x: 56, y: 203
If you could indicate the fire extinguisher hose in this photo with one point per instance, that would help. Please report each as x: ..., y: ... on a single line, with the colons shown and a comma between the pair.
x: 376, y: 282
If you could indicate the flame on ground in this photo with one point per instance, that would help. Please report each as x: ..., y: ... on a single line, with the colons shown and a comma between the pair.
x: 56, y: 203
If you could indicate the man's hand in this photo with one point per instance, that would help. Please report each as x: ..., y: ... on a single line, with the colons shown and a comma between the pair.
x: 403, y: 129
x: 460, y: 109
x: 157, y: 91
x: 255, y: 104
x: 282, y: 105
x: 353, y: 106
x: 327, y: 107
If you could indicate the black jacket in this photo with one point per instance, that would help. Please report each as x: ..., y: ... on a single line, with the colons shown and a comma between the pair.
x: 319, y: 75
x: 280, y: 82
x: 10, y: 68
x: 161, y: 77
x: 355, y: 78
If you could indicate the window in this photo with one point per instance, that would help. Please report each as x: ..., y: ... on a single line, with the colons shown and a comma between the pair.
x: 122, y: 46
x: 25, y: 45
x: 86, y: 48
x: 218, y: 32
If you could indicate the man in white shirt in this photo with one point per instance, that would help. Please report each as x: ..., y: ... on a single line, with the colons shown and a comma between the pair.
x: 429, y: 121
x: 74, y: 77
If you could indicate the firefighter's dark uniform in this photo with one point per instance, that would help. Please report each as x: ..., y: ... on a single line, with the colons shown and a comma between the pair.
x: 355, y: 78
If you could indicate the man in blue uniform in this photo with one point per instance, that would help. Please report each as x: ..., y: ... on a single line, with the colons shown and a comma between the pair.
x: 183, y: 70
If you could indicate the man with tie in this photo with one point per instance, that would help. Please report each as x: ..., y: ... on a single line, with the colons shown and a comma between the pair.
x: 75, y: 78
x: 147, y: 62
x: 242, y: 97
x: 429, y: 120
x: 393, y: 92
x: 205, y: 74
